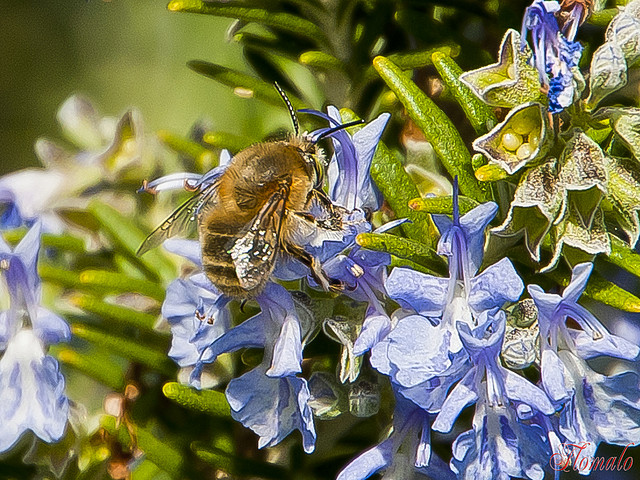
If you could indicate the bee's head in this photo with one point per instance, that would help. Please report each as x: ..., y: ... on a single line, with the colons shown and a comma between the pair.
x: 313, y: 156
x: 306, y: 143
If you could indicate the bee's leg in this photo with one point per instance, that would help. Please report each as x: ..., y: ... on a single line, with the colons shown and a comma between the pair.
x: 335, y: 212
x: 328, y: 284
x: 322, y: 197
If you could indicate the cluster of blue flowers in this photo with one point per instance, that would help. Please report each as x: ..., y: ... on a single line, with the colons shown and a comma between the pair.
x: 32, y: 389
x: 441, y: 350
x: 443, y: 355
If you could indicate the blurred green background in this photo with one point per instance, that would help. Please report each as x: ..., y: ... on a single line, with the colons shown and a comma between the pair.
x: 119, y: 53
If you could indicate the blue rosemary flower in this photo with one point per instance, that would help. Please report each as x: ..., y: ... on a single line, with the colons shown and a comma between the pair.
x: 439, y: 302
x: 281, y: 406
x: 363, y: 272
x: 106, y: 145
x: 31, y: 385
x: 350, y: 183
x: 195, y: 310
x: 28, y: 196
x: 590, y: 341
x: 272, y: 406
x: 197, y: 316
x: 500, y: 445
x: 555, y: 54
x: 200, y: 320
x: 597, y: 407
x: 406, y: 451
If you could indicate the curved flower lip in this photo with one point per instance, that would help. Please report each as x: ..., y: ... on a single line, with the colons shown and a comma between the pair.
x: 472, y: 226
x: 531, y: 119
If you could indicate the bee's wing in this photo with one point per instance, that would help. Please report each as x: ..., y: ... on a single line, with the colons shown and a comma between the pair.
x: 255, y: 251
x: 183, y: 220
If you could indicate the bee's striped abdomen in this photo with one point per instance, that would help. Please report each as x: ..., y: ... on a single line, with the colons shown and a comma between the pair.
x: 216, y: 240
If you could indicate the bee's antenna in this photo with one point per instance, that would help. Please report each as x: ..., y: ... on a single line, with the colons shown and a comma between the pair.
x: 337, y: 128
x: 292, y: 112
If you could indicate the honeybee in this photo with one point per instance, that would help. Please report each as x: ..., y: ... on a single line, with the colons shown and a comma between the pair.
x: 256, y: 210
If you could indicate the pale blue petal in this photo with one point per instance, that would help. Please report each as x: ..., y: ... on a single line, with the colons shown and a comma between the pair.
x: 462, y: 395
x: 379, y: 358
x: 418, y: 350
x: 250, y: 333
x: 474, y: 224
x: 553, y: 377
x: 287, y: 352
x: 50, y: 328
x: 31, y: 392
x: 272, y: 407
x: 545, y: 302
x: 611, y: 345
x: 366, y: 141
x: 189, y: 249
x: 374, y: 329
x: 424, y: 293
x: 197, y: 314
x: 368, y: 462
x: 497, y: 284
x: 579, y: 279
x: 522, y: 390
x: 225, y: 158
